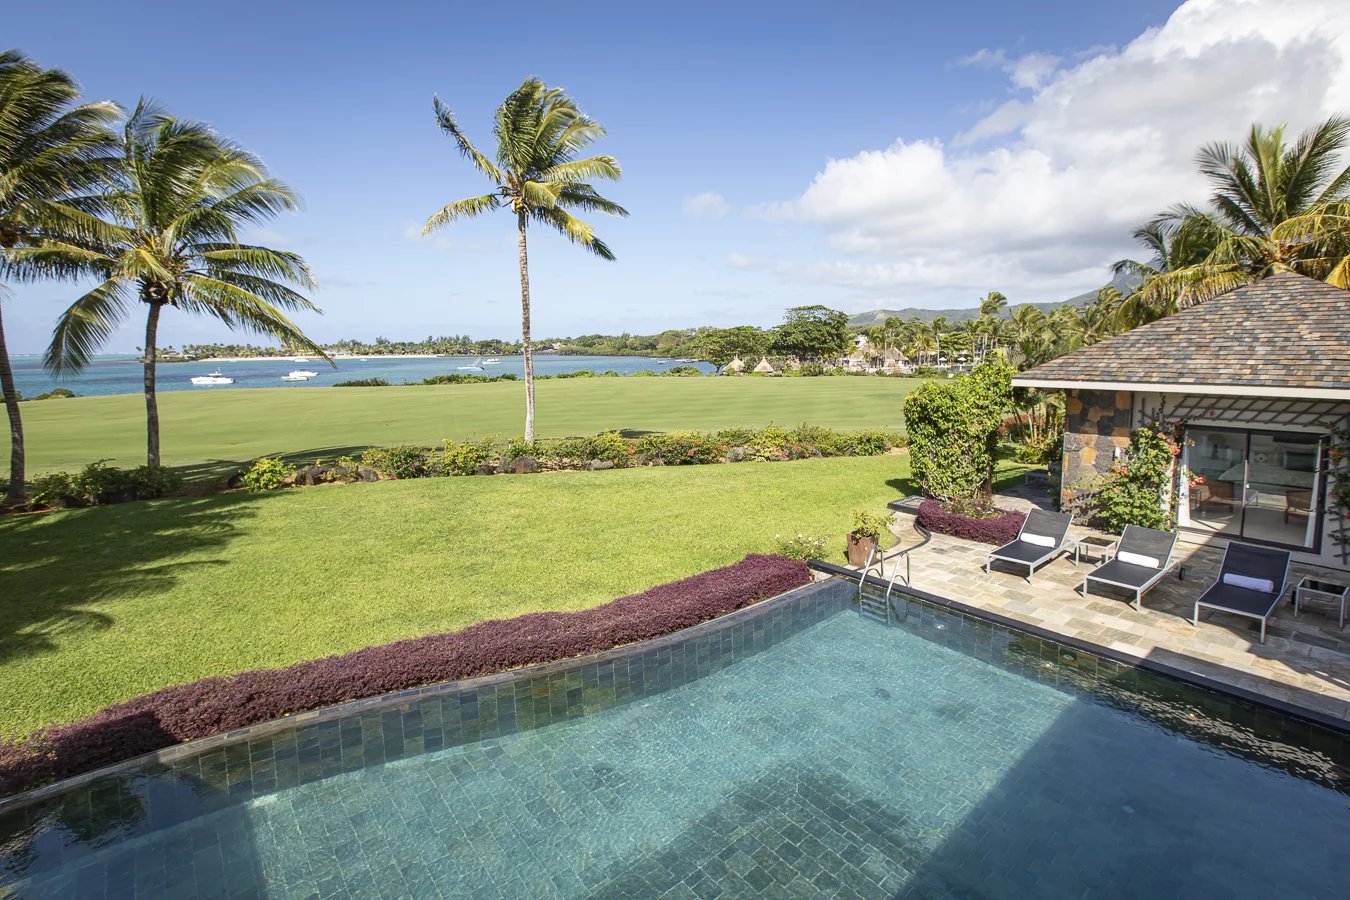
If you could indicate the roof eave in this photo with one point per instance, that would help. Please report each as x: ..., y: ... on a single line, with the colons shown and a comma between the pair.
x: 1216, y: 390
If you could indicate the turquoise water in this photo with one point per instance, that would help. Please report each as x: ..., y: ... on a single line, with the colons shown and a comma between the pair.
x: 123, y: 374
x: 851, y: 759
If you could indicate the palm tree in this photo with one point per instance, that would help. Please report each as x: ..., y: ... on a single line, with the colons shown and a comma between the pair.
x: 1276, y: 207
x: 51, y: 152
x: 169, y: 239
x: 992, y: 306
x: 537, y: 175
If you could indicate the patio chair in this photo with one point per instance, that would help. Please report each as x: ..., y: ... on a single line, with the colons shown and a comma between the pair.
x: 1143, y: 557
x: 1042, y: 537
x: 1250, y: 583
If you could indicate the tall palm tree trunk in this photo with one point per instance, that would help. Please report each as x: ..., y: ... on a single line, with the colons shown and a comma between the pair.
x: 525, y: 348
x: 151, y: 404
x: 14, y: 493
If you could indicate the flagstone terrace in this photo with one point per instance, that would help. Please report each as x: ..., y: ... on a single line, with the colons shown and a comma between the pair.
x: 1305, y: 661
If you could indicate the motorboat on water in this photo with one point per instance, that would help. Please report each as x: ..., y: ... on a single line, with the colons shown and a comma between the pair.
x: 475, y: 367
x: 302, y: 373
x: 212, y: 378
x: 492, y: 362
x: 295, y: 378
x: 299, y: 359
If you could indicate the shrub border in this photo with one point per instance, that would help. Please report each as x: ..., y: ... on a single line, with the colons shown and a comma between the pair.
x: 668, y: 612
x: 997, y: 531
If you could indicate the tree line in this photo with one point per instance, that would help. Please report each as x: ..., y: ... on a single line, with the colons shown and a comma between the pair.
x: 149, y: 206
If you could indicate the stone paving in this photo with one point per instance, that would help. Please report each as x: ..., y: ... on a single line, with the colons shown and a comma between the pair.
x: 1305, y: 660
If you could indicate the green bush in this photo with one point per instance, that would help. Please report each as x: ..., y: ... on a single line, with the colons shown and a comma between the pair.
x: 150, y: 482
x: 99, y: 484
x: 869, y: 525
x: 465, y: 457
x: 953, y: 430
x: 403, y: 461
x: 735, y: 437
x: 266, y: 474
x: 363, y: 382
x: 1136, y: 490
x: 803, y: 547
x: 681, y: 448
x: 682, y: 371
x: 469, y: 378
x: 871, y: 442
x: 54, y: 489
x: 769, y: 443
x: 55, y: 394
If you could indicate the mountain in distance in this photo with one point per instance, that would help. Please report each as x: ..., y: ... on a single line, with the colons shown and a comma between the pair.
x: 1122, y: 283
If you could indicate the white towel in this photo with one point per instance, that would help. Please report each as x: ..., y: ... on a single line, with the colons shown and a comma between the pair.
x: 1264, y: 585
x: 1137, y: 559
x: 1040, y: 540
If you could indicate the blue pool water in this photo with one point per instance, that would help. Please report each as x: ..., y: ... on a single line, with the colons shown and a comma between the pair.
x: 850, y: 758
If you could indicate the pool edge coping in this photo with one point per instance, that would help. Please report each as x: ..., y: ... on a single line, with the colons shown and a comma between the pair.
x: 1284, y: 707
x: 397, y: 698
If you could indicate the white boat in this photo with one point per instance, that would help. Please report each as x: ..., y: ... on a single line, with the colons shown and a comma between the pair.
x: 295, y: 378
x: 475, y: 367
x: 302, y: 373
x: 299, y: 359
x: 492, y: 362
x: 213, y: 378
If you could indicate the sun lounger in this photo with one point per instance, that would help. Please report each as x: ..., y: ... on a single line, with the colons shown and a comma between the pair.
x: 1143, y: 557
x: 1042, y: 537
x: 1251, y: 581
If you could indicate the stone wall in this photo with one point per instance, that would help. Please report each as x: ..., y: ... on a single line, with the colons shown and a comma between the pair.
x: 1095, y: 424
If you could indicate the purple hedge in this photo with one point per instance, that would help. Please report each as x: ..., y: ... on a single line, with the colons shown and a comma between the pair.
x: 224, y: 703
x: 998, y: 530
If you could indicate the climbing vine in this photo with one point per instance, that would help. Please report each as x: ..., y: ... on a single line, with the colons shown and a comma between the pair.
x: 1137, y: 490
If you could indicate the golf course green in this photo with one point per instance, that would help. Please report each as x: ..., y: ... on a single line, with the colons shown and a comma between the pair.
x: 210, y: 433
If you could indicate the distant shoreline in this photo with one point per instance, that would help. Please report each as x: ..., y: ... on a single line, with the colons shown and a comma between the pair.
x: 232, y: 359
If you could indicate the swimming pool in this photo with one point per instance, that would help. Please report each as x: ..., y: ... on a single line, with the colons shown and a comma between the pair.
x: 800, y: 747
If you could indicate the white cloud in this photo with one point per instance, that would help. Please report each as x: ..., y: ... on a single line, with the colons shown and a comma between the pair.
x: 1037, y: 197
x: 1030, y: 71
x: 707, y: 205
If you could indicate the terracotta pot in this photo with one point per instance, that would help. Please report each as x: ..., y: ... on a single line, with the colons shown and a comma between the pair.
x: 859, y: 549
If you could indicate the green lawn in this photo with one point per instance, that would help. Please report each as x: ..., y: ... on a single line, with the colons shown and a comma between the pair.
x: 100, y: 605
x: 209, y: 433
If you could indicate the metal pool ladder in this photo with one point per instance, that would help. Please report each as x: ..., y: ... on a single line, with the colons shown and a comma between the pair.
x: 878, y: 557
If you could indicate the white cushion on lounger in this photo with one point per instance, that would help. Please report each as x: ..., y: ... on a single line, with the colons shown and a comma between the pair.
x: 1265, y: 585
x: 1040, y: 540
x: 1137, y: 559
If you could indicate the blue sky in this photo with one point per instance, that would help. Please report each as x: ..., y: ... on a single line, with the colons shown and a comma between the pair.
x: 773, y: 155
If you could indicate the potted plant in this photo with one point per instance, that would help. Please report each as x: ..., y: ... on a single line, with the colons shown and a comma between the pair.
x: 866, y: 534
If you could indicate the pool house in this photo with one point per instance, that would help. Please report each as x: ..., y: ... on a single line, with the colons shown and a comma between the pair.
x: 1258, y: 378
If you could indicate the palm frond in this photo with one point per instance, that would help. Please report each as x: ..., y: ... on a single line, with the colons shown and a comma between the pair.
x: 572, y: 228
x: 239, y: 307
x: 445, y: 119
x: 461, y: 209
x: 581, y: 170
x: 85, y: 326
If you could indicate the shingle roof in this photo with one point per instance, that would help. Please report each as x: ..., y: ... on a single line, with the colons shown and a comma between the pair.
x: 1287, y: 332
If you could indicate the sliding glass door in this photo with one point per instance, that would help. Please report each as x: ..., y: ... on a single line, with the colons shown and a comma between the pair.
x: 1258, y: 485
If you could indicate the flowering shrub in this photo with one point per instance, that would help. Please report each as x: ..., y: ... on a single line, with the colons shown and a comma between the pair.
x: 1339, y: 456
x: 803, y: 547
x: 998, y: 529
x: 682, y: 448
x: 1137, y: 489
x: 223, y: 703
